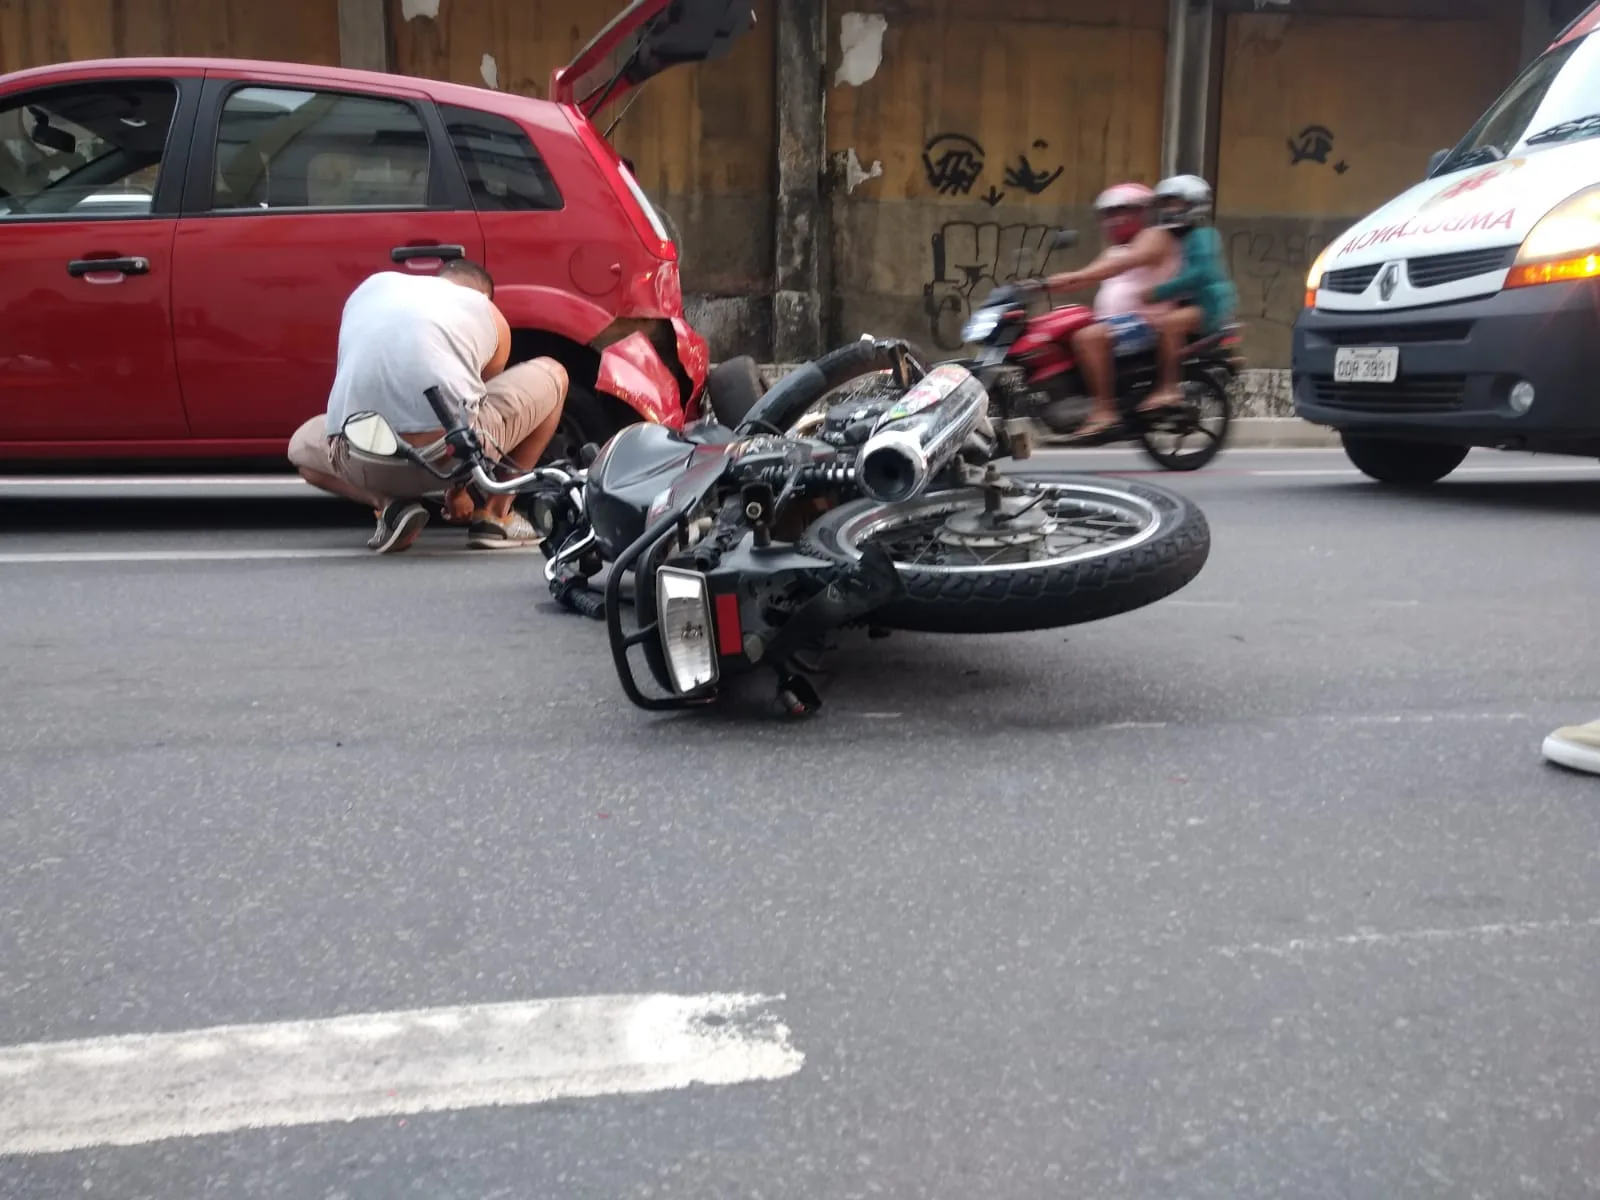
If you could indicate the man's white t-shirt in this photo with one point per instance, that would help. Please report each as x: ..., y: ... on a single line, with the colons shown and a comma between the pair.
x: 402, y: 334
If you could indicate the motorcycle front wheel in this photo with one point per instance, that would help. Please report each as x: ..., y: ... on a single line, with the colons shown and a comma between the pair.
x: 1076, y: 550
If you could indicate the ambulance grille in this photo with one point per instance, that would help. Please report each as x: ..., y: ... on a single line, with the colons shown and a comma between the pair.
x: 1439, y: 269
x: 1352, y: 280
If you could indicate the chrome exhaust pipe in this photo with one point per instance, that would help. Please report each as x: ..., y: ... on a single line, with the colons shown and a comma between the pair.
x: 913, y: 441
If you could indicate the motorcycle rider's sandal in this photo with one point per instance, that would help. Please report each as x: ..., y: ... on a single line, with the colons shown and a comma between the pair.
x: 512, y: 532
x: 399, y: 523
x: 1097, y: 431
x: 1160, y: 402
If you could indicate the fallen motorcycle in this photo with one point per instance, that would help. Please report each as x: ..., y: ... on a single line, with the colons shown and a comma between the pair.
x: 746, y: 548
x: 1028, y: 365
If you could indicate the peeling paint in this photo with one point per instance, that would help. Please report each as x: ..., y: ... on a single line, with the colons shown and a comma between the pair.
x: 412, y: 9
x: 490, y: 70
x: 853, y: 172
x: 861, y: 47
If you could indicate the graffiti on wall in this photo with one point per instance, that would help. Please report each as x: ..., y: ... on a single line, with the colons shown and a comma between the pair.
x: 1030, y: 178
x: 969, y: 260
x: 954, y: 162
x: 1268, y: 260
x: 1314, y: 144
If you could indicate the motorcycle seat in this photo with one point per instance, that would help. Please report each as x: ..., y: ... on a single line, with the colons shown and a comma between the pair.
x: 1224, y: 339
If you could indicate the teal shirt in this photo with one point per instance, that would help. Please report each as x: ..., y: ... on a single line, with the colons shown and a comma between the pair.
x: 1202, y: 280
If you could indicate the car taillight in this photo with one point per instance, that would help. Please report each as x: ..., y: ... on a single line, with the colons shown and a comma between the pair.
x: 623, y: 187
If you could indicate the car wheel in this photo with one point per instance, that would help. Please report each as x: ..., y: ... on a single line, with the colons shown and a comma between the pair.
x: 734, y: 388
x: 1392, y: 461
x: 585, y: 419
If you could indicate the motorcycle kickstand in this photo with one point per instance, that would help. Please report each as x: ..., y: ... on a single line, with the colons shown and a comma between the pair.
x: 796, y: 694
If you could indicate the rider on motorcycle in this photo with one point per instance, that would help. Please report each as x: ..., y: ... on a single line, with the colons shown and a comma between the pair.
x: 1138, y: 256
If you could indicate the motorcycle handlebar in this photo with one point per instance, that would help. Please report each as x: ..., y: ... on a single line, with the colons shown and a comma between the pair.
x: 451, y: 418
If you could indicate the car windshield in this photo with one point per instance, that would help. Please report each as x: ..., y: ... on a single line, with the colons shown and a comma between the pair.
x: 1556, y: 100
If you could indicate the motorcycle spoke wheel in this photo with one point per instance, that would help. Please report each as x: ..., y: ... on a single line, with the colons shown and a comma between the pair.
x: 1190, y: 434
x: 1054, y: 524
x: 1073, y: 549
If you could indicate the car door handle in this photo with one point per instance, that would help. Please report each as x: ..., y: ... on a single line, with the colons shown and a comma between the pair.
x: 402, y: 254
x: 80, y: 267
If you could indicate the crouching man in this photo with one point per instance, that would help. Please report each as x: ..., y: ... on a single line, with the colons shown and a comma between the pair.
x: 401, y: 334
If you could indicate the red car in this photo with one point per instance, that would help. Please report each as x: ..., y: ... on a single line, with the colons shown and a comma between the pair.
x: 178, y: 237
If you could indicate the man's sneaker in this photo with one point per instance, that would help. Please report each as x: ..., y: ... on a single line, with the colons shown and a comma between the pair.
x: 398, y: 526
x: 1575, y: 746
x: 514, y: 532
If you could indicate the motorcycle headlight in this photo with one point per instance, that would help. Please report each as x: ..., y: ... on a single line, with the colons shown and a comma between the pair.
x: 683, y: 608
x: 980, y: 325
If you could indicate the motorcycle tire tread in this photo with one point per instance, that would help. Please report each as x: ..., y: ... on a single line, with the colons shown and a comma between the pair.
x: 1046, y: 596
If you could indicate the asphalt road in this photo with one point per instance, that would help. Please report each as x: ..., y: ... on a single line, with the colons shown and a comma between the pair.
x: 1260, y: 892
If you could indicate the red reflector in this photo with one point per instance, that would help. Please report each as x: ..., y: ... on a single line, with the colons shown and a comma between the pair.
x: 730, y: 637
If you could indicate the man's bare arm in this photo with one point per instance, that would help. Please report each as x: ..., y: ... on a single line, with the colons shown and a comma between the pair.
x: 502, y: 350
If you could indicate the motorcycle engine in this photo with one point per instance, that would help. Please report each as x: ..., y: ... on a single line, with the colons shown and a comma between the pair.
x: 847, y: 425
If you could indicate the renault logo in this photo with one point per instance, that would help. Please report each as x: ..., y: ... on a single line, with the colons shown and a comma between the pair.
x: 1387, y: 282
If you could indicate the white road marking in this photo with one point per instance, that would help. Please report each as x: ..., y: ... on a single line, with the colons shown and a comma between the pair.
x: 23, y: 558
x: 128, y: 1091
x: 1410, y: 936
x: 27, y: 482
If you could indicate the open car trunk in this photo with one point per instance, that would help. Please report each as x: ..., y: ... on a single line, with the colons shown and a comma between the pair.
x: 643, y: 40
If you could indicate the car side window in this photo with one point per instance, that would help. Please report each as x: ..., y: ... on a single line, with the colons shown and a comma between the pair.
x: 84, y: 151
x: 282, y: 148
x: 504, y: 170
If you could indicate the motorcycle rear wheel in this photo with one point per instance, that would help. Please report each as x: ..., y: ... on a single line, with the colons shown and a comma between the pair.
x: 1198, y: 429
x: 1117, y: 545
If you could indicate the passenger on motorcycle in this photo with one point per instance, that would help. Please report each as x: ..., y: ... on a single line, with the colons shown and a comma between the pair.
x: 1204, y: 294
x: 1137, y: 256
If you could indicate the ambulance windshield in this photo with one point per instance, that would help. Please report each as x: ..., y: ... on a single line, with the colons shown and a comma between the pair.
x: 1554, y: 101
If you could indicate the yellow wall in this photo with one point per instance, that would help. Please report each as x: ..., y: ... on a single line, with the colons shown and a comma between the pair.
x: 37, y: 32
x: 1075, y: 87
x: 1389, y: 92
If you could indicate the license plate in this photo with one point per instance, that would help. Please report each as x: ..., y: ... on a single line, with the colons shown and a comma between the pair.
x: 1366, y: 364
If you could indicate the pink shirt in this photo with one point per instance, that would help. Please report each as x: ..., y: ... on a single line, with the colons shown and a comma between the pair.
x: 1120, y: 294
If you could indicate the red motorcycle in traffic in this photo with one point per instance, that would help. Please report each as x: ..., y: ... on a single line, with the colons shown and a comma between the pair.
x: 1037, y: 388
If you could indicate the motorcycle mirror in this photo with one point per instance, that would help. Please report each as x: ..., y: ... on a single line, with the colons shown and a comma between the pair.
x: 1064, y: 239
x: 369, y: 433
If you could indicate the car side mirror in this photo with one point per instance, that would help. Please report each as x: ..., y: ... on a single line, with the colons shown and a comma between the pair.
x: 1064, y: 239
x: 371, y: 435
x: 1434, y: 160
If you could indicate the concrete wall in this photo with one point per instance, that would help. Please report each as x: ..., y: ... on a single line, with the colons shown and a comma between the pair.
x: 1324, y: 118
x: 959, y: 133
x: 701, y: 138
x: 36, y: 32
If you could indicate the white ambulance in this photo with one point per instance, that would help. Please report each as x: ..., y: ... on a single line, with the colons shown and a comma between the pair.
x: 1466, y: 312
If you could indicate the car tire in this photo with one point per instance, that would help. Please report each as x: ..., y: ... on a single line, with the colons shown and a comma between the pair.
x: 1389, y: 460
x: 585, y: 418
x: 735, y: 387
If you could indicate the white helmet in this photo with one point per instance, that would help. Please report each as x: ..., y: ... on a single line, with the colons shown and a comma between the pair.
x: 1193, y: 197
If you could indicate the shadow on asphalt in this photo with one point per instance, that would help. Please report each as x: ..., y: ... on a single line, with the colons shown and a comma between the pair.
x: 75, y: 514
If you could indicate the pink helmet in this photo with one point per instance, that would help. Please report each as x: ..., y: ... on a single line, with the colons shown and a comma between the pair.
x: 1123, y: 207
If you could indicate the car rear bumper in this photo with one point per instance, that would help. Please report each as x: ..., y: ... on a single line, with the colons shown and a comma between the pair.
x: 1458, y: 364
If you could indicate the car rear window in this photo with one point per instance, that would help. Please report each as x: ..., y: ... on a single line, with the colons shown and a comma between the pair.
x: 504, y: 170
